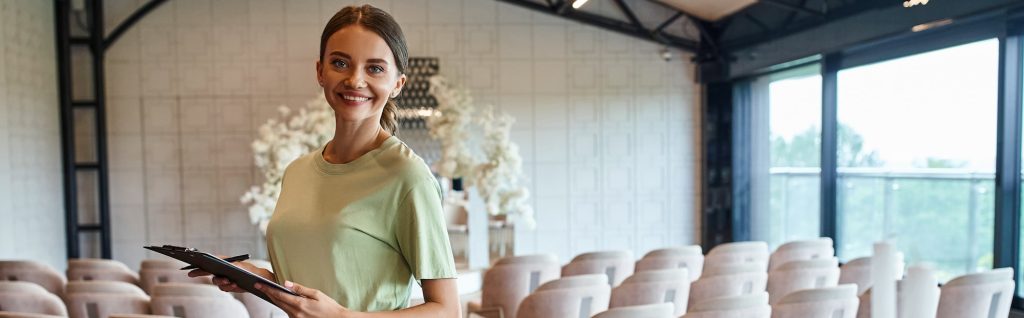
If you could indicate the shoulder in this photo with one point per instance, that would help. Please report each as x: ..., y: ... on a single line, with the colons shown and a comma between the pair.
x: 405, y: 165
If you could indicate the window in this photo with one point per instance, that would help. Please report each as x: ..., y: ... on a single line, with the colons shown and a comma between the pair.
x: 916, y: 157
x: 785, y: 156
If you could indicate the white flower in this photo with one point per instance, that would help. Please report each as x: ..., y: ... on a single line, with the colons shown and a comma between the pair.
x: 279, y: 142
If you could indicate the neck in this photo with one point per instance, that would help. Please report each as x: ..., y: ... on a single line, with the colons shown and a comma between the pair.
x: 353, y: 140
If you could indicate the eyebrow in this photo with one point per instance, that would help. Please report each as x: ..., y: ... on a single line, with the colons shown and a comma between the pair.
x: 346, y: 56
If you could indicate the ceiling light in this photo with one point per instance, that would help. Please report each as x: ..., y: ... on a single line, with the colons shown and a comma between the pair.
x: 931, y: 25
x: 578, y: 3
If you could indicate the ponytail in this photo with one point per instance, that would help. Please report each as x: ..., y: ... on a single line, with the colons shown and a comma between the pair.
x: 389, y: 119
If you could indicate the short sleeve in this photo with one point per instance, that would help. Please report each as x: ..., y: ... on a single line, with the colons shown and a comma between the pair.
x: 422, y: 233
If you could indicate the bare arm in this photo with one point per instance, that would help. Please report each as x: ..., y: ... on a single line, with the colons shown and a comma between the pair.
x: 441, y: 296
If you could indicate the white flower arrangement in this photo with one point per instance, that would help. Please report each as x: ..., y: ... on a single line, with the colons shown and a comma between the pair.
x: 279, y: 143
x: 450, y: 124
x: 497, y: 177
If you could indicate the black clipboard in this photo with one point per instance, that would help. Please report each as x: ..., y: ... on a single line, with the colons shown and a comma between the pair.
x: 216, y: 266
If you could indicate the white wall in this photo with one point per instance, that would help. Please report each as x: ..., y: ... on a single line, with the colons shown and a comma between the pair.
x: 31, y: 197
x: 606, y: 128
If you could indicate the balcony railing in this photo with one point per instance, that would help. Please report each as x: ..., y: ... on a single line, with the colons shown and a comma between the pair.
x: 941, y: 216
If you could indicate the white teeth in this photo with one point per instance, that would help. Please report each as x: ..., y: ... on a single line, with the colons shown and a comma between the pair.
x: 355, y: 98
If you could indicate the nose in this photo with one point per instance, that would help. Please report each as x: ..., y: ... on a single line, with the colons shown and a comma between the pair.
x: 355, y: 80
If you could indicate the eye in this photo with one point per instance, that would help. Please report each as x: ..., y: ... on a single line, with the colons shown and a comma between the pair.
x: 376, y: 69
x: 339, y: 63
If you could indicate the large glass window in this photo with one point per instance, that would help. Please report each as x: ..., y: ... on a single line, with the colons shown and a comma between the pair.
x: 916, y: 157
x: 786, y: 156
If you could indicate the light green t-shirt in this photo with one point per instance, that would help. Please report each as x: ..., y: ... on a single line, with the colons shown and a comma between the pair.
x: 360, y: 231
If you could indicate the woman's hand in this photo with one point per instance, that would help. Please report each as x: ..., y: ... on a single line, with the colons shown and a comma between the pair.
x: 227, y: 285
x: 311, y: 304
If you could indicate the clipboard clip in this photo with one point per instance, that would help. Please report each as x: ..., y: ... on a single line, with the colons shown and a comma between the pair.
x: 180, y: 249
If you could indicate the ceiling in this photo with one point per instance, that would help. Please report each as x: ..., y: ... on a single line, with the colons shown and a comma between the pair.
x: 709, y: 27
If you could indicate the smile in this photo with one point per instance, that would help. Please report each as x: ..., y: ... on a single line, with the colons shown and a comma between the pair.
x: 355, y: 98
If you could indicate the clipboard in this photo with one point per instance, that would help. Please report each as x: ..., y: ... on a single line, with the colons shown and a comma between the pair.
x: 216, y: 266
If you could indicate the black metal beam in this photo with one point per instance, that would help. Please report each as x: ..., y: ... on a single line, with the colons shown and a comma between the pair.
x: 62, y: 13
x: 668, y: 22
x: 130, y: 21
x: 610, y: 24
x: 1008, y: 155
x: 840, y: 13
x: 829, y: 145
x: 629, y: 14
x: 790, y: 7
x: 98, y: 47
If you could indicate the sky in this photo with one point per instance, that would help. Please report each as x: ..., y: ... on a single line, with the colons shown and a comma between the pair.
x: 938, y: 104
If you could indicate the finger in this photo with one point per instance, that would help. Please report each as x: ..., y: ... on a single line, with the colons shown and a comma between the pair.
x: 197, y: 273
x: 301, y: 290
x: 280, y: 298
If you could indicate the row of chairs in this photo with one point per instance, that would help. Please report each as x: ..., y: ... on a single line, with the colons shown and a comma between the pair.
x: 728, y: 271
x: 97, y: 288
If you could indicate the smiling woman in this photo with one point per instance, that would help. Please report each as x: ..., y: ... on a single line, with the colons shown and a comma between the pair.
x: 360, y: 217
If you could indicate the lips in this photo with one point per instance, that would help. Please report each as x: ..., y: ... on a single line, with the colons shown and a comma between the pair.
x: 351, y: 98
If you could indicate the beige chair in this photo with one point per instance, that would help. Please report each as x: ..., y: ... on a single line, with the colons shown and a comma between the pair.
x: 979, y: 295
x: 256, y: 306
x: 33, y: 272
x: 662, y: 310
x: 728, y: 281
x: 574, y: 296
x: 30, y: 300
x: 100, y: 269
x: 138, y: 316
x: 16, y: 287
x: 617, y: 265
x: 150, y: 277
x: 819, y: 248
x: 743, y: 306
x: 654, y: 287
x: 688, y: 257
x: 509, y: 281
x: 832, y: 302
x: 100, y: 299
x: 805, y: 274
x: 195, y: 301
x: 8, y: 314
x: 737, y: 252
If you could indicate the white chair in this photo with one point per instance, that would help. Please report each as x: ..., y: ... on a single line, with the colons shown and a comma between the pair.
x: 729, y: 280
x: 256, y: 306
x: 662, y: 310
x: 987, y: 294
x: 858, y: 271
x: 617, y: 265
x: 744, y: 306
x: 832, y: 302
x: 195, y: 301
x: 509, y: 281
x: 100, y: 299
x: 689, y: 257
x: 574, y: 296
x: 819, y: 248
x: 805, y: 274
x: 33, y: 272
x: 26, y: 298
x: 864, y: 309
x: 737, y: 252
x: 653, y: 287
x: 100, y: 269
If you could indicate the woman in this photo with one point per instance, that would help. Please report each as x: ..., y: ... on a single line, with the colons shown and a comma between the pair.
x: 361, y: 216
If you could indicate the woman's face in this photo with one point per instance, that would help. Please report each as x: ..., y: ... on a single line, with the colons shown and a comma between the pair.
x: 358, y: 74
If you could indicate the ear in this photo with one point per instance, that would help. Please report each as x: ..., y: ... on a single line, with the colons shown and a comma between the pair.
x: 399, y: 84
x: 320, y: 72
